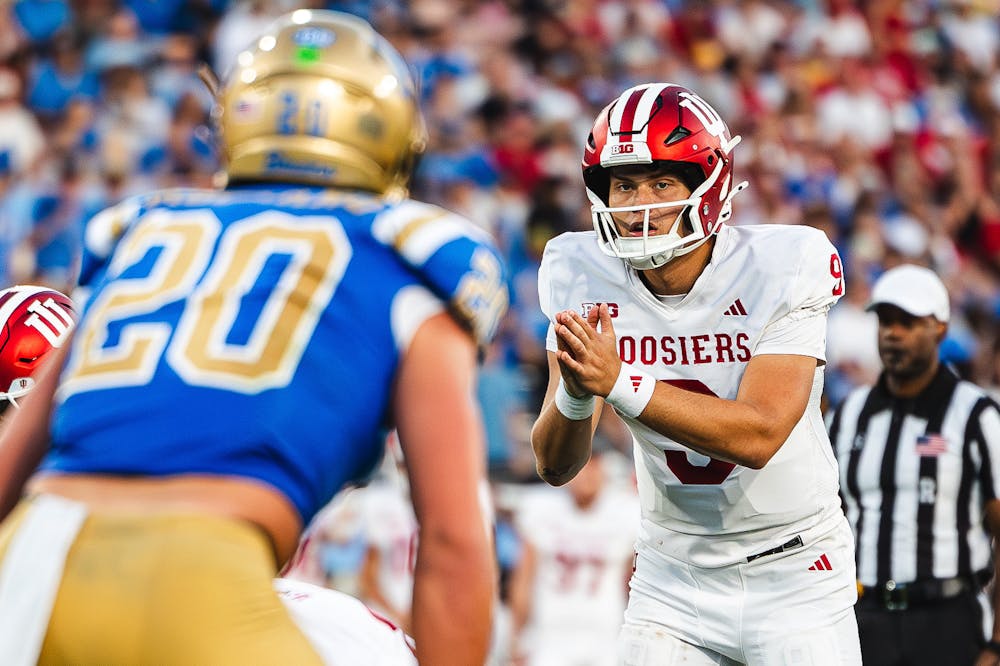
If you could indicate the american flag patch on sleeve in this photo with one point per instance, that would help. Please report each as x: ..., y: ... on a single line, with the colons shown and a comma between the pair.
x: 931, y: 446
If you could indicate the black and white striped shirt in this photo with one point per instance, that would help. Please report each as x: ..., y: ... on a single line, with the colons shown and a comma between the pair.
x: 915, y: 475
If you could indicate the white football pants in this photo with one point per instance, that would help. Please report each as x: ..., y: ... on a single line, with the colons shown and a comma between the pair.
x: 794, y: 608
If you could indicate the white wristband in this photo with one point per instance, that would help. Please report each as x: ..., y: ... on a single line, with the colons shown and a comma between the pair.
x: 631, y: 392
x: 573, y: 408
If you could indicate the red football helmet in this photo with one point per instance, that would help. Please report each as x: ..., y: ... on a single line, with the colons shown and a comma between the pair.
x: 652, y: 123
x: 33, y: 322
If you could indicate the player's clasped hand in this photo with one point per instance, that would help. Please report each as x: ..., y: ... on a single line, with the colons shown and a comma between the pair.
x: 588, y: 351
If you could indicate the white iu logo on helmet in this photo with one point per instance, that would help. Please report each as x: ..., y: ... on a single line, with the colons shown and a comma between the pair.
x: 709, y: 117
x: 51, y: 320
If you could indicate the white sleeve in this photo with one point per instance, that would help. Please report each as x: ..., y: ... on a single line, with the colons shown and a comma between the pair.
x: 819, y: 283
x: 553, y: 285
x: 550, y: 339
x: 411, y: 307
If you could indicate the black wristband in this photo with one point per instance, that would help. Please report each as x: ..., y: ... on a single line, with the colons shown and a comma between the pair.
x: 992, y: 646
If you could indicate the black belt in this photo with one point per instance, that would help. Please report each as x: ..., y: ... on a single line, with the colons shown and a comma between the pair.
x: 895, y: 596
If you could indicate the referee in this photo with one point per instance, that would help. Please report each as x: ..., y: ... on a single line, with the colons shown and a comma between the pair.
x: 919, y: 457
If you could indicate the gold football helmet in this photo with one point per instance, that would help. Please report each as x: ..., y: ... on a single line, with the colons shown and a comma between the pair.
x: 323, y: 99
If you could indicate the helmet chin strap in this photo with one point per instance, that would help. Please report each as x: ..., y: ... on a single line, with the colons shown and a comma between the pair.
x: 661, y: 258
x: 651, y: 262
x: 631, y: 245
x: 12, y: 394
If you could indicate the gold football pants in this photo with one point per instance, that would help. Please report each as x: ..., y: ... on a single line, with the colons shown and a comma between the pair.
x: 167, y: 589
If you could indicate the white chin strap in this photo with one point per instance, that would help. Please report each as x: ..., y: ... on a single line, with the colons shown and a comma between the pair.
x: 627, y: 245
x: 18, y: 388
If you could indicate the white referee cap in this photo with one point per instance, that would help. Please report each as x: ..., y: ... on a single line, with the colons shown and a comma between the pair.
x: 913, y: 289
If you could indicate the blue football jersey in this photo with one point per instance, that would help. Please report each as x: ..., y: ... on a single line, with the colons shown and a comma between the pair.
x: 256, y: 332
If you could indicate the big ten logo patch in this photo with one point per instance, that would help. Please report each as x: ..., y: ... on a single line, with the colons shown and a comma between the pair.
x: 622, y: 148
x: 585, y: 309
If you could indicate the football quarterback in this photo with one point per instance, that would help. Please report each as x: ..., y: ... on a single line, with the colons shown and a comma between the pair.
x: 708, y: 339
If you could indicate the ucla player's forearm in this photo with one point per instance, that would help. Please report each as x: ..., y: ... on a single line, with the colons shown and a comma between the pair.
x: 747, y: 431
x: 453, y: 598
x: 443, y: 442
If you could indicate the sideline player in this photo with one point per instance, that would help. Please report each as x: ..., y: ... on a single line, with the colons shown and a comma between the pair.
x: 238, y: 358
x: 708, y: 340
x: 568, y: 590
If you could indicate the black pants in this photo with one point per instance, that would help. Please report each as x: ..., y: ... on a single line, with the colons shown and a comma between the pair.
x: 944, y: 633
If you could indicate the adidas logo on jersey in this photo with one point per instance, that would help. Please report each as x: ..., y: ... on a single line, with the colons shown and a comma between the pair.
x: 736, y: 309
x: 822, y: 564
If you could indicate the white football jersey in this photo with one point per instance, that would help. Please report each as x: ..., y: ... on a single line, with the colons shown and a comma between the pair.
x: 342, y: 629
x: 767, y: 290
x: 582, y: 558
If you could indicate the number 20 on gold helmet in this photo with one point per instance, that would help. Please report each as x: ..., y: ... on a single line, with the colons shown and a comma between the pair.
x: 321, y: 98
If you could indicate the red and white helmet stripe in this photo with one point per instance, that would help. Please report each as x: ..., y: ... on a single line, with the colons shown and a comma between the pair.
x: 628, y: 126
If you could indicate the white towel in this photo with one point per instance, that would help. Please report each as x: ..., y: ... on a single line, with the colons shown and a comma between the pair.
x: 31, y: 573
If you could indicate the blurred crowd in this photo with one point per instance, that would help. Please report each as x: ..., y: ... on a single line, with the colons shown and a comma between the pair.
x: 876, y: 121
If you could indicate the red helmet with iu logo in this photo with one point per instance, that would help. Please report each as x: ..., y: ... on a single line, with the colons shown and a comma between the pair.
x: 661, y: 124
x: 33, y: 322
